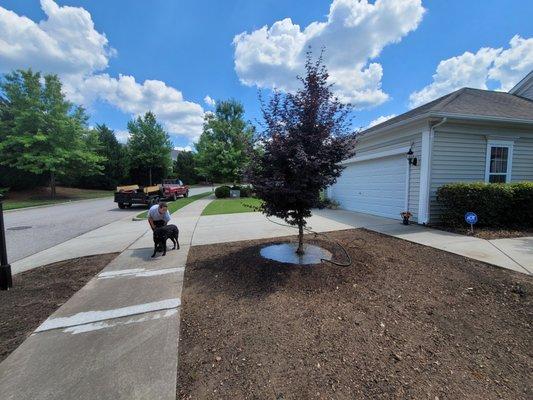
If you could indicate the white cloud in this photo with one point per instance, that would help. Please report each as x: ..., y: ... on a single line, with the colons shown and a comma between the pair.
x: 209, y: 101
x: 379, y: 120
x: 179, y: 117
x: 506, y: 67
x: 122, y: 136
x: 513, y: 63
x: 67, y: 43
x: 183, y: 148
x: 354, y: 33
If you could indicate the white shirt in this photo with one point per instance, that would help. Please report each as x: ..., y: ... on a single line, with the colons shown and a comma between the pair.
x: 154, y: 213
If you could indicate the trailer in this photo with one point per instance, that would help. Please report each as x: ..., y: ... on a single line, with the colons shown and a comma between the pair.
x: 126, y: 196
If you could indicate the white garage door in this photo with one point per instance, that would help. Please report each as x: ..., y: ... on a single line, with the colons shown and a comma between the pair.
x: 374, y: 187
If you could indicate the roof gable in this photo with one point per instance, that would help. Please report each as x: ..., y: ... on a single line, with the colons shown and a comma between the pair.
x: 524, y: 88
x: 469, y: 102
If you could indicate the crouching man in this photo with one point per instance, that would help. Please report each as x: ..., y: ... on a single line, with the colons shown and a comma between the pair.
x: 158, y: 215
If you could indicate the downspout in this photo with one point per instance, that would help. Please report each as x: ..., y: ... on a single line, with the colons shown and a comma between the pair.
x: 442, y: 121
x: 431, y: 137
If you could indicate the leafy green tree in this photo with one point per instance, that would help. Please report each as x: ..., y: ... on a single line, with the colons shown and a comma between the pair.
x: 224, y: 146
x: 185, y: 167
x: 41, y: 132
x: 115, y: 168
x: 149, y: 149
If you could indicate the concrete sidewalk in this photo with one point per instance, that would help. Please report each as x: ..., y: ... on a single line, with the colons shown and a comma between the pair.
x: 117, y: 337
x: 515, y: 254
x: 112, y: 238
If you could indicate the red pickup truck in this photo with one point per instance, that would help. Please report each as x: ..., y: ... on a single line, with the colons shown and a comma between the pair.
x: 173, y: 188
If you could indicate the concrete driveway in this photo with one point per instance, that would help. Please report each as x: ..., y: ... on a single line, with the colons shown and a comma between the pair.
x: 515, y: 254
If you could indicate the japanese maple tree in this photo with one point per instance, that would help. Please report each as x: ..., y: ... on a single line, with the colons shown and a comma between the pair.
x: 306, y: 135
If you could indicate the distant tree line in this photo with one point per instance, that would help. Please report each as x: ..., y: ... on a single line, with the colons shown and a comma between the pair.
x: 46, y: 140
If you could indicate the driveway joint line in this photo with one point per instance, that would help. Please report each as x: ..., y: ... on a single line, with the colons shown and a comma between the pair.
x: 508, y: 256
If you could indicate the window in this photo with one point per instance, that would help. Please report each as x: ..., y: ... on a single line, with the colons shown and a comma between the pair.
x: 499, y: 161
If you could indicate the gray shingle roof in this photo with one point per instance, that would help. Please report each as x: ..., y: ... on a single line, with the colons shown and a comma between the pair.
x: 470, y: 102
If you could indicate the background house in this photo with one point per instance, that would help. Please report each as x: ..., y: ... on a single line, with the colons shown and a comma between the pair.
x: 465, y: 136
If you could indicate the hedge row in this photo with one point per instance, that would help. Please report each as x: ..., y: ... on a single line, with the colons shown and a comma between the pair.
x: 504, y: 205
x: 222, y: 192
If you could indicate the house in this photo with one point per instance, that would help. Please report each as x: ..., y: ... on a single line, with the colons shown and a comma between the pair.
x: 174, y: 154
x: 466, y: 136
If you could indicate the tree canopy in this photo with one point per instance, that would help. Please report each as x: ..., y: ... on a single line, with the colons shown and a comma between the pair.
x: 223, y: 150
x: 149, y: 149
x: 116, y: 166
x: 307, y: 134
x: 40, y: 131
x: 185, y: 167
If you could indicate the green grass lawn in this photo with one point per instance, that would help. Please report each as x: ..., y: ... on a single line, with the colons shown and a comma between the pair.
x: 174, y: 206
x: 63, y: 195
x: 231, y: 206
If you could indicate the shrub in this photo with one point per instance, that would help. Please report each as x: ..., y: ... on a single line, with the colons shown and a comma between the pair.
x: 222, y: 192
x: 246, y: 191
x: 496, y: 205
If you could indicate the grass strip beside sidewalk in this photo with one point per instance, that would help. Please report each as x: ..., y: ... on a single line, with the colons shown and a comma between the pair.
x: 232, y: 206
x: 174, y: 206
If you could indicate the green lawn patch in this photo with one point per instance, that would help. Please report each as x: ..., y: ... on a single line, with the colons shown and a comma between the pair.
x: 231, y: 206
x: 37, y: 197
x: 14, y: 204
x: 174, y: 206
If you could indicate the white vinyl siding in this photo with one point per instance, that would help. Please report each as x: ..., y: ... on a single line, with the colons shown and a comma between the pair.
x: 459, y: 154
x: 523, y: 158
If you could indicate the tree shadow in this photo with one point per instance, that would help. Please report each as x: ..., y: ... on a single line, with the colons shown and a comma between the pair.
x: 240, y: 271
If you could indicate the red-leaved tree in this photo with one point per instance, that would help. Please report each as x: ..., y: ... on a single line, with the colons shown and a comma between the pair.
x: 306, y: 135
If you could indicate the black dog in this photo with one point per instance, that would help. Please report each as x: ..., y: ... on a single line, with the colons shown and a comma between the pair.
x: 162, y: 234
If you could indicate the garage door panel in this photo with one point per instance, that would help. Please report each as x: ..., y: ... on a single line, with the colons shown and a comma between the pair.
x: 373, y: 187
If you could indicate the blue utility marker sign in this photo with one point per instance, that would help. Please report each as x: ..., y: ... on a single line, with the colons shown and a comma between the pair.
x: 470, y: 218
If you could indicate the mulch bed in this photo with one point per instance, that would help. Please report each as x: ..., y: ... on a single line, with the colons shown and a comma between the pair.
x: 36, y: 294
x: 403, y: 321
x: 490, y: 233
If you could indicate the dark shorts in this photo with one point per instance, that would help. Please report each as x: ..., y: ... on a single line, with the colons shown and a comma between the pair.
x: 159, y: 224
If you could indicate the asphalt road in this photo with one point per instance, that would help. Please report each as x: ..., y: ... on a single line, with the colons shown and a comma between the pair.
x: 29, y: 231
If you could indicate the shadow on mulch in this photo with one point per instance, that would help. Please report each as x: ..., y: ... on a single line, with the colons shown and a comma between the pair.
x: 403, y: 321
x: 37, y: 293
x: 255, y: 277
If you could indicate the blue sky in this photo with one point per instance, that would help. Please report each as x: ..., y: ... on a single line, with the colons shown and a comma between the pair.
x: 384, y: 56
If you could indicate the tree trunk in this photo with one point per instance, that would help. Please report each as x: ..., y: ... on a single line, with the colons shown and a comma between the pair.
x: 150, y: 174
x: 53, y: 185
x: 300, y: 249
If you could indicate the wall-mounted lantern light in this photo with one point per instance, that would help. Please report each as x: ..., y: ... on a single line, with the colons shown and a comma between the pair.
x: 411, y: 158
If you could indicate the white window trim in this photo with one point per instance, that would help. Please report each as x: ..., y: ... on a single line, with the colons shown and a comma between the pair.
x: 499, y: 143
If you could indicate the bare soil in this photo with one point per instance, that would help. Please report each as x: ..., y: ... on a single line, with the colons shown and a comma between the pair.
x: 37, y: 293
x: 404, y: 321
